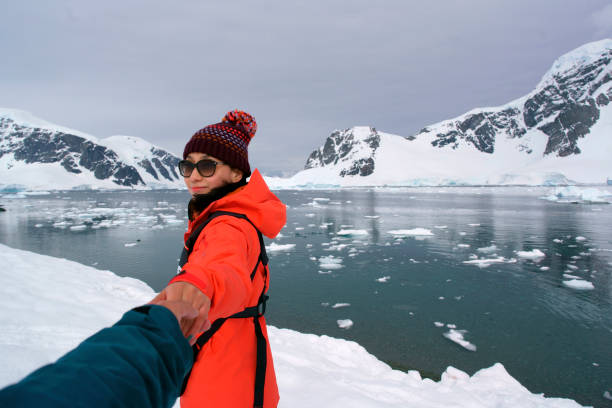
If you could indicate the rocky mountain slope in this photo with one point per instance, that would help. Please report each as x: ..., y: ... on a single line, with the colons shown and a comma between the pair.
x: 35, y: 154
x: 561, y: 132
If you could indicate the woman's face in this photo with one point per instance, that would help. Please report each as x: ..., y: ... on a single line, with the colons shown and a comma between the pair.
x: 224, y: 174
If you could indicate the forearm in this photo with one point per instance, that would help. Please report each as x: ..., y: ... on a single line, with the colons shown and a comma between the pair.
x: 140, y: 361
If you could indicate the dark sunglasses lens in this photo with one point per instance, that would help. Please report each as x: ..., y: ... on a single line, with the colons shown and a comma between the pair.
x: 185, y: 168
x: 206, y: 168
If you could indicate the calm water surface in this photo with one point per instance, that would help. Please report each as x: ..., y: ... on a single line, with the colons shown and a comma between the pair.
x: 403, y: 292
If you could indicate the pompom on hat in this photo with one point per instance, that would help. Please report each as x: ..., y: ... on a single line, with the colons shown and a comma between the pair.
x: 227, y: 140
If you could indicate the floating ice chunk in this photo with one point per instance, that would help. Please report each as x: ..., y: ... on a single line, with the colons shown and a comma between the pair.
x: 330, y: 262
x: 535, y: 255
x: 607, y: 395
x: 483, y: 263
x: 580, y: 239
x: 310, y: 215
x: 371, y: 216
x: 338, y: 305
x: 320, y: 199
x: 569, y: 276
x: 451, y: 326
x: 383, y: 279
x: 488, y: 250
x: 579, y: 284
x: 411, y: 232
x: 38, y: 225
x: 557, y: 241
x: 345, y: 323
x: 299, y: 228
x: 337, y: 247
x: 78, y: 227
x: 463, y: 245
x: 130, y: 244
x: 457, y: 337
x: 440, y: 226
x: 439, y: 324
x: 352, y: 232
x: 573, y: 194
x: 325, y: 272
x: 474, y: 225
x: 573, y: 267
x: 545, y: 268
x: 462, y: 233
x: 274, y: 247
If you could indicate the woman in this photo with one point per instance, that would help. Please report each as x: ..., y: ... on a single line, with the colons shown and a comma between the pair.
x: 223, y: 272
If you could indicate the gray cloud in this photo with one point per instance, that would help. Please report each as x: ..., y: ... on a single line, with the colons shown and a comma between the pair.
x: 161, y: 70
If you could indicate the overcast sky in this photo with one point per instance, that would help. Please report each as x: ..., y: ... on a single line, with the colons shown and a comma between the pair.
x: 161, y: 70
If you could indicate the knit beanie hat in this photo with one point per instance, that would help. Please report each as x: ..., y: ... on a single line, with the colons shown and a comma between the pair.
x: 227, y: 140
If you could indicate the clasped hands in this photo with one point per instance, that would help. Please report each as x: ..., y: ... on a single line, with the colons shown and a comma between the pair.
x: 189, y: 305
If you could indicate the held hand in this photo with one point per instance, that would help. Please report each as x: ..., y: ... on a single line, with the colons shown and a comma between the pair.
x: 186, y: 292
x: 183, y: 311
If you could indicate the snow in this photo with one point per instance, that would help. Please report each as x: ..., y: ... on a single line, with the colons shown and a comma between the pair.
x: 579, y: 284
x: 57, y: 303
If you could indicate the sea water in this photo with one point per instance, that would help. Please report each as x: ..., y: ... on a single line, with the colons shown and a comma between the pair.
x: 423, y: 278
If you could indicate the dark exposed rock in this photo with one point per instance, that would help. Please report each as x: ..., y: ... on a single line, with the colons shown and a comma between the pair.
x: 571, y: 124
x: 161, y: 168
x: 602, y: 99
x: 146, y: 164
x: 362, y: 167
x: 342, y: 147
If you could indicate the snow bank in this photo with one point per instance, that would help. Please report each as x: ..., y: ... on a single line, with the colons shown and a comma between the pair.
x: 48, y: 305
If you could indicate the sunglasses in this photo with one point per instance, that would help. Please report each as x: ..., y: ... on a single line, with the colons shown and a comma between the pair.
x: 206, y: 167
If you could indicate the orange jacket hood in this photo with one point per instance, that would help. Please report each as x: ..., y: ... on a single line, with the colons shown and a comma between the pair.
x: 256, y: 201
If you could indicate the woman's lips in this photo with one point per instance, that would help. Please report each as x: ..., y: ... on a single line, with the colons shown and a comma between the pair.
x: 197, y: 188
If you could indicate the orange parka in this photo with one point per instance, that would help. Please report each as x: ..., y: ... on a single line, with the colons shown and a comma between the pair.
x: 220, y: 265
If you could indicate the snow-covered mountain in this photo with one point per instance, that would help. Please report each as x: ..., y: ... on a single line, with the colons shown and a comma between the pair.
x: 559, y: 133
x: 35, y: 155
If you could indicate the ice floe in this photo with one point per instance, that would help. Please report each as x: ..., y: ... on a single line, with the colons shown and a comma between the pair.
x: 330, y: 262
x: 274, y: 247
x: 384, y: 279
x: 411, y: 232
x: 483, y: 263
x: 457, y: 336
x: 573, y: 194
x: 579, y: 284
x: 352, y: 232
x: 338, y: 305
x: 535, y: 255
x: 488, y: 250
x: 344, y: 323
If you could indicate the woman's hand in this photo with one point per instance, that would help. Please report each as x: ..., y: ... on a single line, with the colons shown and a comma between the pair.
x: 186, y: 292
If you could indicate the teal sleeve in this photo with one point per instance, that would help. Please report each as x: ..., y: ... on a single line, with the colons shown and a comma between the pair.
x: 138, y: 362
